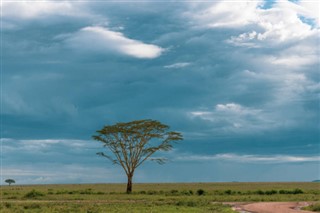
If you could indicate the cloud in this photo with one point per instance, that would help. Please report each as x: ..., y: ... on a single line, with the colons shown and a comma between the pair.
x: 223, y: 14
x: 274, y: 159
x: 15, y: 14
x: 177, y: 65
x: 270, y: 31
x: 305, y: 8
x: 102, y: 40
x: 232, y: 117
x: 29, y: 10
x: 35, y: 161
x: 42, y: 144
x: 262, y: 26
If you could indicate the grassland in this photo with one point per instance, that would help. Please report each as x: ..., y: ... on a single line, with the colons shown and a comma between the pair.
x: 164, y: 197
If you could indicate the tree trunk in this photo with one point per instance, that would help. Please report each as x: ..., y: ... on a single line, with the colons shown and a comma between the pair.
x: 129, y: 184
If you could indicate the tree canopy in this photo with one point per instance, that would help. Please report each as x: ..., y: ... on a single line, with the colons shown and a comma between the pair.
x: 10, y: 181
x: 134, y: 142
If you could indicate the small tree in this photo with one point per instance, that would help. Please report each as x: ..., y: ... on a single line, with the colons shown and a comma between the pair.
x: 135, y: 142
x: 10, y: 181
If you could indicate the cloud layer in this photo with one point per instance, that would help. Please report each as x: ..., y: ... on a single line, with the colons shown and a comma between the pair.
x: 257, y: 159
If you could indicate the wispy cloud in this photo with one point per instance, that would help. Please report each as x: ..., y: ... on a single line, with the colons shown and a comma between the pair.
x: 107, y: 41
x: 39, y: 145
x: 177, y: 65
x: 251, y: 158
x: 233, y: 117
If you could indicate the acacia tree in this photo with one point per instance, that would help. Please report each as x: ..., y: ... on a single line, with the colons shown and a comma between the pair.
x: 135, y: 142
x: 9, y: 181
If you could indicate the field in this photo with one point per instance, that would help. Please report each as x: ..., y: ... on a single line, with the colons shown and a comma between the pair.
x: 162, y: 197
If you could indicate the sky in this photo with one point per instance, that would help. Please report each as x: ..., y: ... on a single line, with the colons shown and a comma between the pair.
x: 239, y: 80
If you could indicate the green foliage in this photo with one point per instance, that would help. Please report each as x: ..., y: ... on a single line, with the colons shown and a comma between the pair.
x: 7, y: 205
x: 313, y: 207
x: 295, y: 191
x: 192, y: 203
x: 32, y: 206
x: 33, y: 194
x: 10, y: 181
x: 200, y: 192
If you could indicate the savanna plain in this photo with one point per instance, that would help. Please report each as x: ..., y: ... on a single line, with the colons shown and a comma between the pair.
x: 153, y: 197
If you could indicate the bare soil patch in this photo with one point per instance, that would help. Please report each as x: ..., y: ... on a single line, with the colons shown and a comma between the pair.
x: 270, y: 207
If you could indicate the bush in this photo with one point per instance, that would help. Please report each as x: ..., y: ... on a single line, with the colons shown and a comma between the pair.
x: 200, y: 192
x: 271, y: 192
x: 228, y: 192
x: 7, y: 205
x: 313, y: 207
x: 151, y: 192
x: 295, y: 191
x: 86, y: 192
x: 32, y: 206
x: 174, y: 192
x: 186, y: 192
x: 186, y: 203
x: 33, y: 194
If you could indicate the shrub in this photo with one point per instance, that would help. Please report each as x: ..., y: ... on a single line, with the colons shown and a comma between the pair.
x: 259, y: 192
x: 315, y: 207
x: 189, y: 203
x: 271, y: 192
x: 228, y: 192
x: 200, y: 192
x: 7, y: 205
x: 33, y: 194
x: 86, y: 192
x: 32, y: 206
x: 151, y: 192
x: 100, y: 193
x: 174, y: 192
x: 297, y: 191
x: 186, y: 192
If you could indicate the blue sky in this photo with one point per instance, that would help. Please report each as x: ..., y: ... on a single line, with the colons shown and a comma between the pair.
x: 239, y: 79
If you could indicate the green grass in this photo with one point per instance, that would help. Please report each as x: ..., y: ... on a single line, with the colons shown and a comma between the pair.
x: 164, y: 197
x: 111, y: 207
x: 314, y: 207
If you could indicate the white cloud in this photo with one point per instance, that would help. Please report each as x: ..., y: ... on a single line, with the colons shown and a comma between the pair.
x: 177, y: 65
x: 102, y: 40
x: 274, y: 26
x: 250, y: 158
x: 38, y: 9
x: 232, y: 117
x: 40, y: 145
x: 225, y: 13
x: 305, y: 8
x: 279, y: 24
